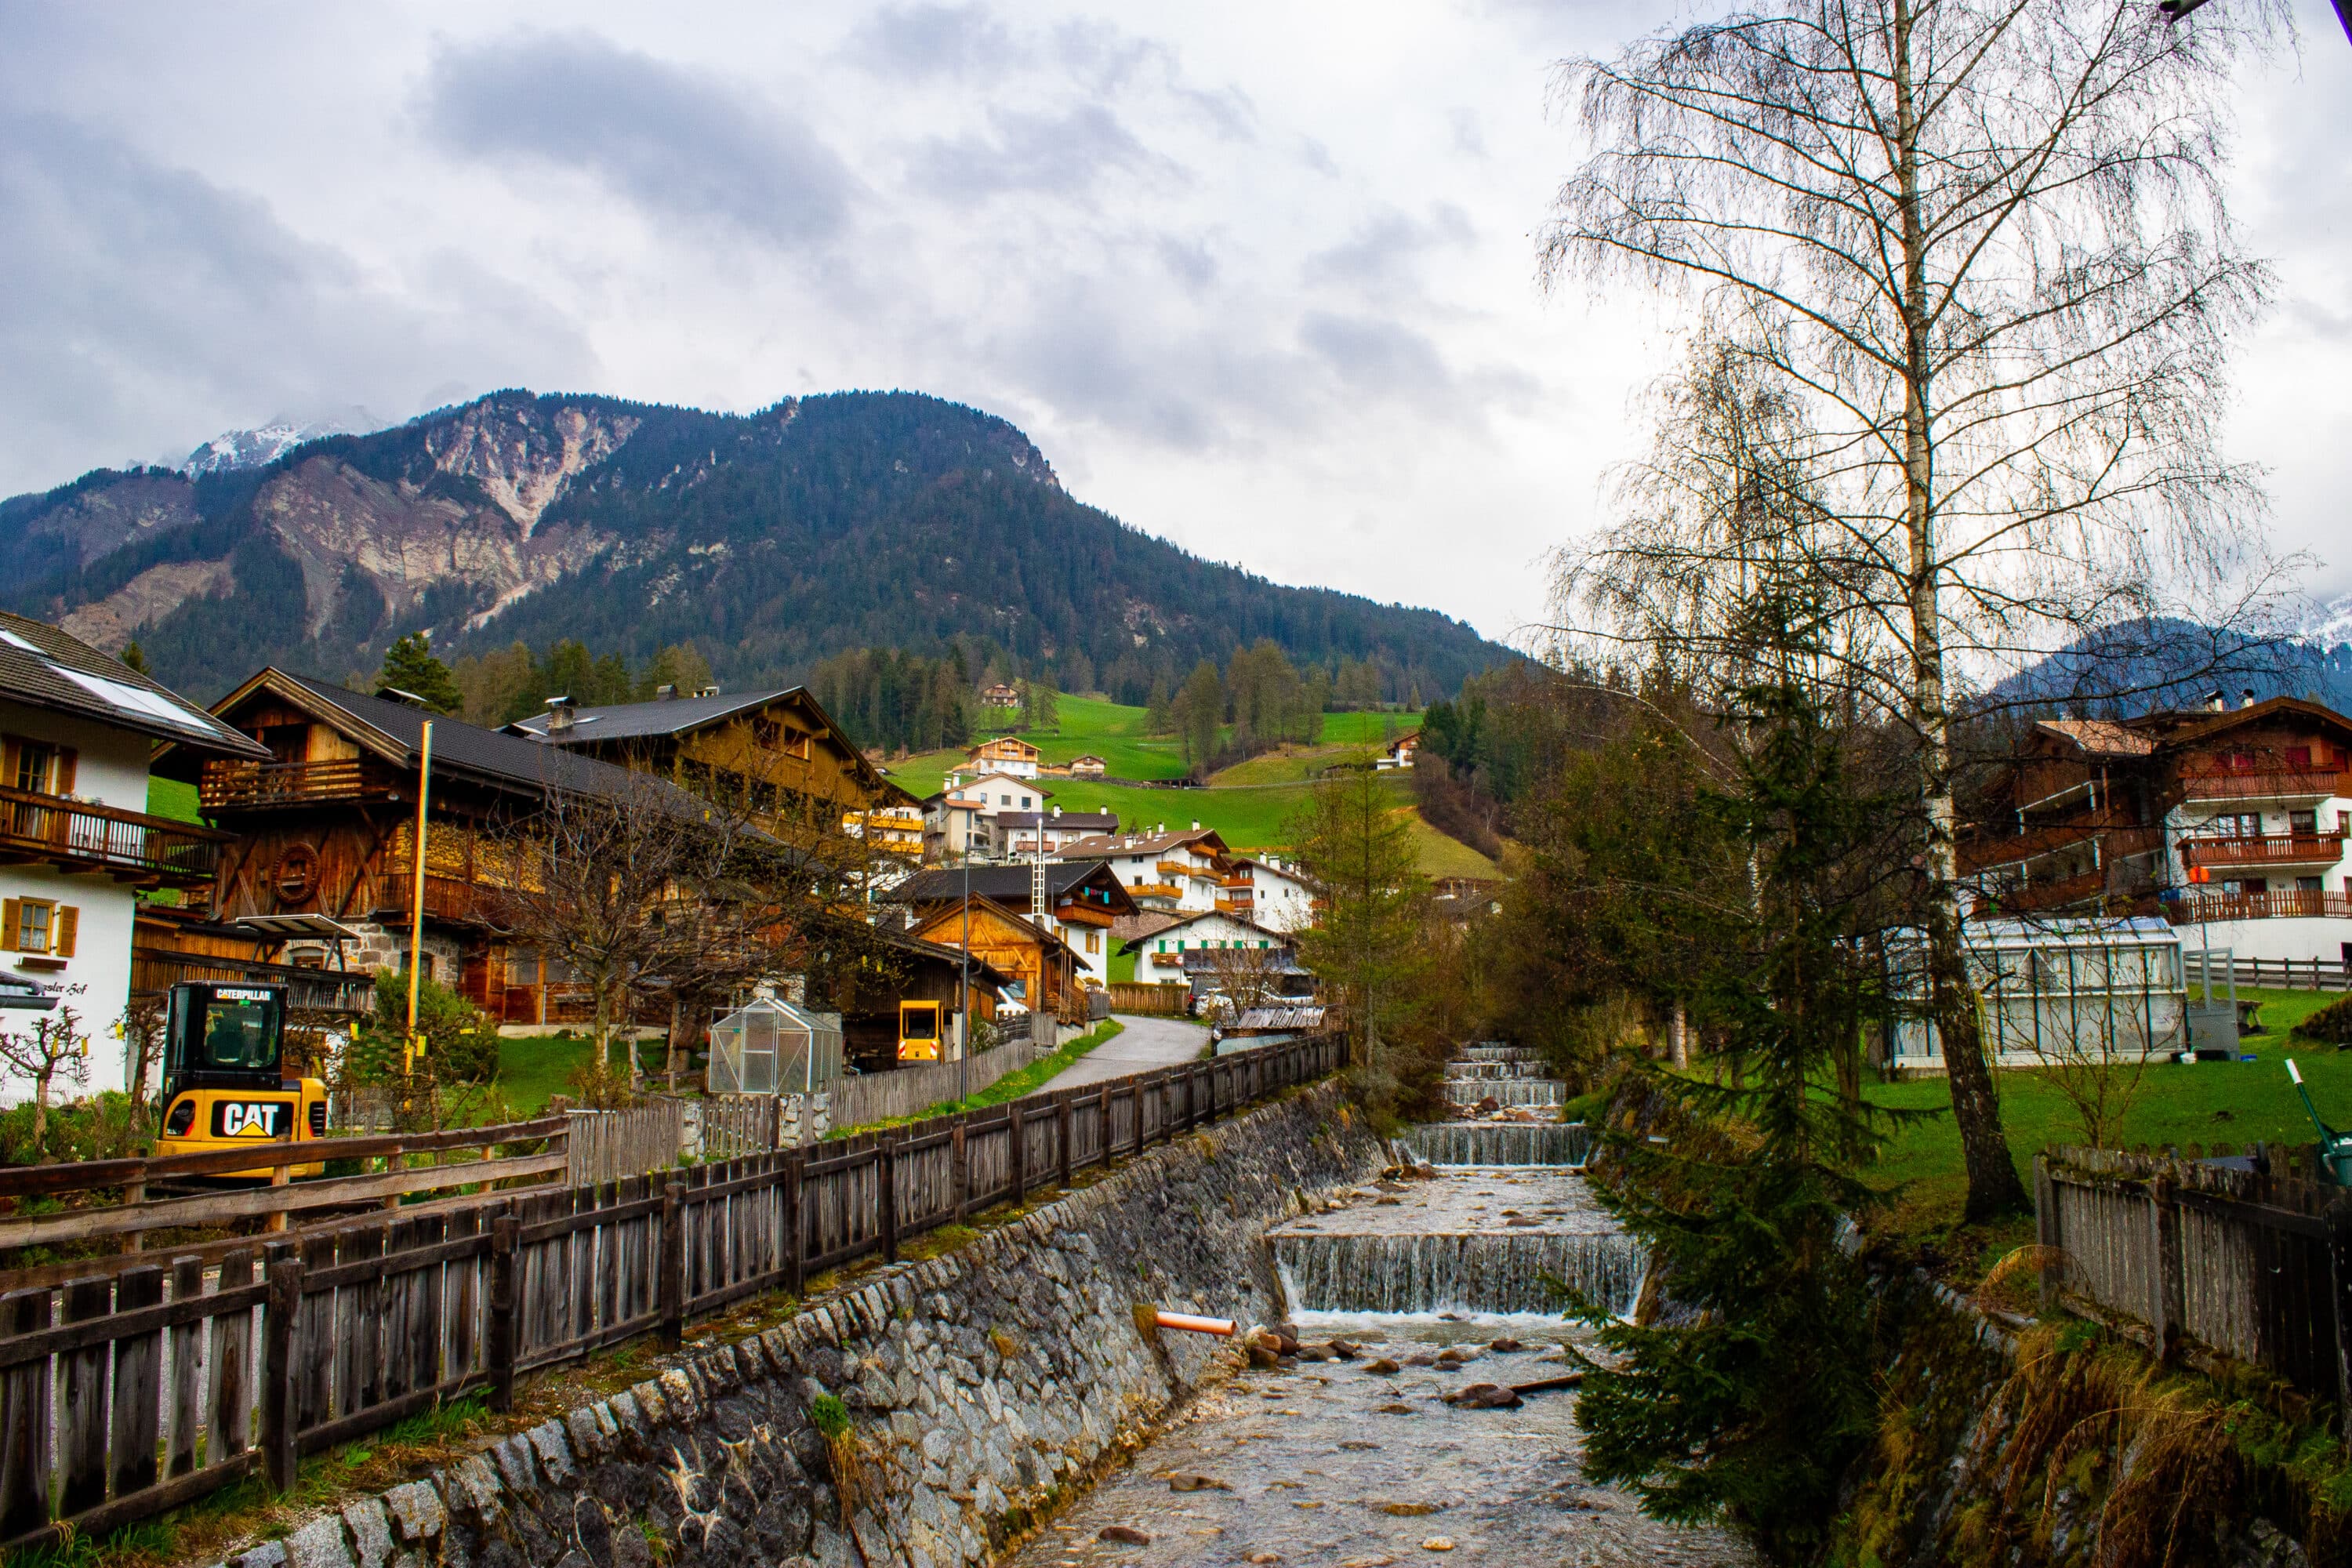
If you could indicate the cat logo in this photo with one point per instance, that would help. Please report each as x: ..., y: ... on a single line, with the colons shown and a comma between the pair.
x: 252, y: 1118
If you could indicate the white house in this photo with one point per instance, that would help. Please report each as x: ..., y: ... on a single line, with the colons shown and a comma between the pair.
x: 77, y: 841
x: 1159, y: 957
x: 966, y: 817
x: 1276, y: 895
x: 1400, y: 754
x: 1019, y: 832
x: 1005, y: 754
x: 1186, y: 871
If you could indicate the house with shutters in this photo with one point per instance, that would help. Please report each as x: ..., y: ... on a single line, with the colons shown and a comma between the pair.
x: 1005, y: 754
x: 1186, y: 871
x: 1083, y: 901
x: 1162, y: 956
x: 78, y: 844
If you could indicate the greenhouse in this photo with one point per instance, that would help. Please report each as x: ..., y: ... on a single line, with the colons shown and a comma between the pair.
x: 769, y: 1046
x: 2048, y: 991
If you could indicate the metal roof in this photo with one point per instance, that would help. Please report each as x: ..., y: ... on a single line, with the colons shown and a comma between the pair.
x: 1004, y: 884
x: 1112, y: 845
x: 641, y: 721
x: 1094, y: 821
x: 43, y: 666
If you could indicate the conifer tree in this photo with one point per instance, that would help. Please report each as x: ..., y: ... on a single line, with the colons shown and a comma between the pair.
x: 409, y: 666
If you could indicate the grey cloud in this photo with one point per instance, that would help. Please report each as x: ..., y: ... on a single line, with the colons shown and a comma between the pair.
x: 1387, y: 247
x: 1188, y: 261
x: 677, y: 141
x: 1056, y: 154
x: 931, y: 40
x: 1370, y: 354
x: 143, y: 299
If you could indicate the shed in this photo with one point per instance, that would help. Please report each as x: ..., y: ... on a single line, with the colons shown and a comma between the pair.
x: 769, y: 1046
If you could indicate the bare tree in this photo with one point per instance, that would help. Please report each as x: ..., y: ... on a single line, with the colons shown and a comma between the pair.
x: 54, y: 1047
x: 1979, y: 249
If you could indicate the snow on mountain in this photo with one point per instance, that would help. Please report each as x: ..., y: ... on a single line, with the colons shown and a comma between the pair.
x: 2332, y: 628
x: 265, y: 443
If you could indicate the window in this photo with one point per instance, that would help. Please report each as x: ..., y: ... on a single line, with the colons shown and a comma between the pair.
x: 1004, y: 800
x: 37, y: 766
x: 2298, y: 757
x: 2239, y: 825
x: 2304, y: 824
x: 522, y: 969
x: 1093, y: 938
x: 38, y: 925
x: 2307, y: 884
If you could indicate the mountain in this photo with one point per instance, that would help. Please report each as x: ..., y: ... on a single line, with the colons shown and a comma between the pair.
x: 2169, y: 663
x: 768, y: 540
x: 265, y: 443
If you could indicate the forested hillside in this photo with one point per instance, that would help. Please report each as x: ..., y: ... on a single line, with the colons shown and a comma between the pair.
x: 766, y: 542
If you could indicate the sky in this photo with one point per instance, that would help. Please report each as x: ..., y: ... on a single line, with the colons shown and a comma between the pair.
x: 1258, y: 278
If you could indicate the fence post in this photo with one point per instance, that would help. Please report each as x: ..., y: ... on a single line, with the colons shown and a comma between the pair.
x: 886, y: 1183
x: 2045, y: 1229
x: 958, y: 1173
x: 499, y: 1359
x: 1106, y: 1124
x: 277, y: 1314
x: 1062, y: 1138
x: 1020, y: 1153
x: 2164, y: 1211
x: 669, y: 1281
x: 795, y: 1249
x: 2338, y: 1217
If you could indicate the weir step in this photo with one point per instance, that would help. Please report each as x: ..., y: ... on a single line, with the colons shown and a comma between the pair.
x: 1465, y: 1072
x: 1509, y: 1092
x: 1500, y: 1053
x: 1444, y: 1143
x: 1455, y: 1273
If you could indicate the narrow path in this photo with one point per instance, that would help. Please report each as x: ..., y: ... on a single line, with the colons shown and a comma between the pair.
x: 1142, y: 1045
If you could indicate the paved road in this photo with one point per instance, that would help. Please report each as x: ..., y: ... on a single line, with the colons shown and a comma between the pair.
x: 1144, y: 1044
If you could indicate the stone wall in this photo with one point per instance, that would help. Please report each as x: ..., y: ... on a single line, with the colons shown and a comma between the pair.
x: 982, y: 1386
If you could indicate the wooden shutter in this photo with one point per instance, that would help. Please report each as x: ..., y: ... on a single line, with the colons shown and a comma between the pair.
x: 67, y: 761
x: 62, y: 922
x: 8, y: 744
x: 8, y: 912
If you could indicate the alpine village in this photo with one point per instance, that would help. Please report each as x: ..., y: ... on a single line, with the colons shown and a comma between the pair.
x: 590, y: 982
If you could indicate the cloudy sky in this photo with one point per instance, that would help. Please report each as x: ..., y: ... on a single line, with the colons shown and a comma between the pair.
x: 1257, y: 276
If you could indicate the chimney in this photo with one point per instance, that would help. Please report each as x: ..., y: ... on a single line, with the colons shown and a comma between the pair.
x: 1196, y: 824
x: 559, y: 714
x: 2246, y: 698
x: 2215, y: 700
x: 663, y: 693
x: 1058, y: 811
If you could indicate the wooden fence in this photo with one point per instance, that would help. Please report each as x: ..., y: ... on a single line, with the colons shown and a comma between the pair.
x: 1152, y: 1001
x: 122, y: 1396
x: 607, y: 1145
x: 2200, y: 1259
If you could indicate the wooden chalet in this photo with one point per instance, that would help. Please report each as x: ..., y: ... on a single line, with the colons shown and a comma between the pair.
x: 1083, y: 901
x: 326, y: 828
x: 920, y: 972
x: 751, y: 746
x: 1027, y: 955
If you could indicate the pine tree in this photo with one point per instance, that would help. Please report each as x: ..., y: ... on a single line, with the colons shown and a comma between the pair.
x: 409, y: 666
x: 135, y: 658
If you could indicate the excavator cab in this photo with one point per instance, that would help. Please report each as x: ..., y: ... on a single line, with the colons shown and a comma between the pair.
x: 224, y: 1079
x: 919, y: 1031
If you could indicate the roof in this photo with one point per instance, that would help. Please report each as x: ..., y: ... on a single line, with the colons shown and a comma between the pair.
x: 984, y: 972
x: 1088, y: 757
x: 1257, y: 1018
x: 672, y: 716
x: 1014, y: 743
x: 1093, y: 820
x: 2100, y: 737
x: 395, y: 732
x: 1012, y: 917
x: 2213, y: 724
x: 1111, y: 846
x: 1005, y: 884
x: 1280, y: 939
x: 1142, y: 926
x: 43, y: 666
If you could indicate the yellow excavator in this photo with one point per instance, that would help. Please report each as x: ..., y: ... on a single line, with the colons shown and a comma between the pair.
x: 919, y: 1031
x: 223, y: 1075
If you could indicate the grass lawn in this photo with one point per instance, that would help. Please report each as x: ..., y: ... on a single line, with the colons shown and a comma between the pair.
x: 171, y: 799
x: 1012, y: 1086
x: 2203, y: 1103
x: 533, y: 1068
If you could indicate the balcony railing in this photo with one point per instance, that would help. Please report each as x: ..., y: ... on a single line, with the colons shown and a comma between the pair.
x: 155, y: 970
x: 130, y: 844
x: 2284, y: 905
x: 232, y: 785
x: 1156, y: 890
x: 1999, y: 851
x: 445, y: 898
x: 2266, y: 784
x: 2268, y: 850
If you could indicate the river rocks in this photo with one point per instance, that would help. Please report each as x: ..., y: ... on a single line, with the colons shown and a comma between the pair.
x: 1438, y: 1543
x: 1383, y: 1367
x: 1189, y: 1483
x: 1124, y: 1534
x: 1485, y: 1396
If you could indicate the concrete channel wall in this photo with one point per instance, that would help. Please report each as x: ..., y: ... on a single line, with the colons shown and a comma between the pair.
x: 982, y: 1387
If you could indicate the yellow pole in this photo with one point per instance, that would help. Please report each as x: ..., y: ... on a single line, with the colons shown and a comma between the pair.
x: 416, y: 912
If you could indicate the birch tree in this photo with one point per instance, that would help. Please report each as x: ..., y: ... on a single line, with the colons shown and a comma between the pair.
x: 1980, y: 249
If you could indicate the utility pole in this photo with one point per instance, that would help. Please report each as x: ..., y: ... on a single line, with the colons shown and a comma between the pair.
x: 415, y: 1047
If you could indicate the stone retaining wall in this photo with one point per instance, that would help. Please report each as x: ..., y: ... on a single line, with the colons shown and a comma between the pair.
x: 982, y: 1386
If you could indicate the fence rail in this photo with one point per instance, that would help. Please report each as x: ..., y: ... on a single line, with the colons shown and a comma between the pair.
x: 2246, y: 1267
x: 1153, y: 1001
x: 607, y: 1145
x: 123, y: 1397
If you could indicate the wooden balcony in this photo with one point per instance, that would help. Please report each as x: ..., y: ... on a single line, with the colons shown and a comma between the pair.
x: 2266, y: 784
x: 155, y: 970
x: 2269, y: 849
x: 1156, y: 890
x: 2286, y: 905
x: 247, y: 787
x: 445, y: 898
x: 132, y: 847
x: 2003, y: 851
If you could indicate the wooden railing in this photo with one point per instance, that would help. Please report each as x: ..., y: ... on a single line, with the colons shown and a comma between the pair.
x: 364, y: 1325
x: 1153, y: 1001
x: 2197, y: 1260
x: 155, y: 970
x: 2292, y: 904
x: 607, y: 1145
x: 2268, y: 850
x: 81, y: 837
x: 244, y: 785
x: 2265, y: 783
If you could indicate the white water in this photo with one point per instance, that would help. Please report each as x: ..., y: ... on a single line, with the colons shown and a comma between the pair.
x: 1450, y: 1144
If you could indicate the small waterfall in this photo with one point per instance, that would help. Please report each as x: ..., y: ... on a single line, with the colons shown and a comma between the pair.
x: 1491, y: 1052
x: 1500, y: 1143
x: 1508, y: 1091
x: 1463, y: 1072
x: 1496, y: 1272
